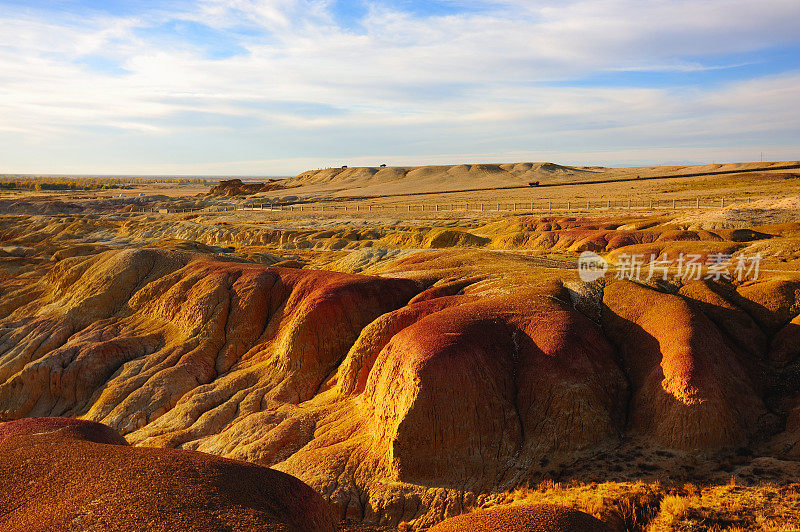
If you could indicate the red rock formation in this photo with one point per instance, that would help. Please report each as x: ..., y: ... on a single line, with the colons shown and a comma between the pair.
x: 539, y: 518
x: 689, y: 390
x: 388, y: 399
x: 76, y: 475
x: 123, y: 337
x: 465, y: 392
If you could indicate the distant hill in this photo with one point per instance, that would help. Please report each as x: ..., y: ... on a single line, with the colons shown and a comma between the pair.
x: 390, y: 180
x: 399, y: 179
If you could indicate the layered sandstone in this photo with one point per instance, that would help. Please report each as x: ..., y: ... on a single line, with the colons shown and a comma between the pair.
x: 404, y: 396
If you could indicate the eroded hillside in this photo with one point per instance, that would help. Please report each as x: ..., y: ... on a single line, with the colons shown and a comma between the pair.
x: 408, y: 372
x: 64, y: 474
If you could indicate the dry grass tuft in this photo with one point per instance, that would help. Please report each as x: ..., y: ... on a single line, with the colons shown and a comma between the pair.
x: 731, y: 508
x: 651, y: 507
x: 622, y: 505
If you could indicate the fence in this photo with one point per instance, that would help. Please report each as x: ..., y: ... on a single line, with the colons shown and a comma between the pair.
x: 530, y: 206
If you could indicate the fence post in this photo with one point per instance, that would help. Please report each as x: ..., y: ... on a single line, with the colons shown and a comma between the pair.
x: 587, y: 205
x: 651, y: 203
x: 629, y: 203
x: 550, y: 205
x: 722, y: 201
x: 569, y: 205
x: 370, y: 208
x: 498, y: 207
x: 698, y: 203
x: 673, y: 203
x: 608, y: 204
x: 481, y: 207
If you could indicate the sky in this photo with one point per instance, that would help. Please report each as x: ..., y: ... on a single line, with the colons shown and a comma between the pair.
x: 275, y: 87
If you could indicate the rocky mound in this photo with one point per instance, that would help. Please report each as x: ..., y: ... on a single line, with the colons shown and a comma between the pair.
x: 550, y: 234
x: 682, y: 370
x: 468, y: 389
x: 236, y: 187
x: 575, y: 235
x: 77, y: 475
x: 539, y: 518
x: 67, y: 428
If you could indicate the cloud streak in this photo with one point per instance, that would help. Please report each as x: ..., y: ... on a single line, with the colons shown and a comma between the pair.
x: 269, y: 86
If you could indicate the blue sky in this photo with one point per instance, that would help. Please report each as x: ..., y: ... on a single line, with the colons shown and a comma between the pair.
x: 274, y: 87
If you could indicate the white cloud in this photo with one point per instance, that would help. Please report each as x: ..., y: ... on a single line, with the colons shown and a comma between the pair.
x: 444, y: 84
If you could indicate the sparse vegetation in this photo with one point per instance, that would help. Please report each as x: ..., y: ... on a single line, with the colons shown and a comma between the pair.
x: 43, y: 183
x: 730, y: 508
x: 87, y: 184
x: 653, y: 507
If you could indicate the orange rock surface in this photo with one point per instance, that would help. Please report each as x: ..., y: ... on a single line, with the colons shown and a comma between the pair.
x: 540, y: 518
x: 410, y: 393
x: 62, y: 474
